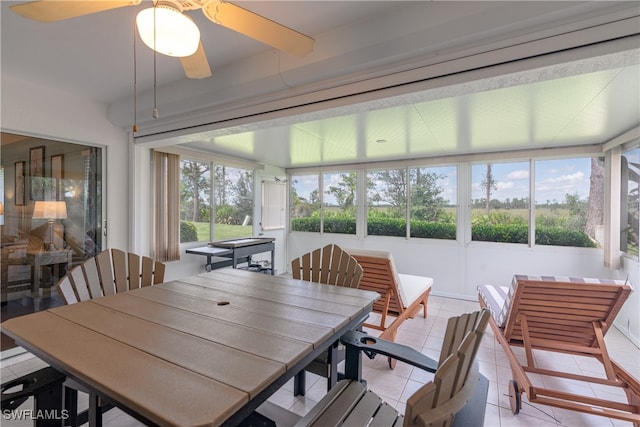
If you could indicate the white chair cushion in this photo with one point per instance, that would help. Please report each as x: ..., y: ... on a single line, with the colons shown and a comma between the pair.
x: 411, y: 287
x: 494, y: 298
x: 498, y: 298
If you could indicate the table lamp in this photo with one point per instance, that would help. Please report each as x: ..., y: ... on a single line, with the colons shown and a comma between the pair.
x: 50, y: 210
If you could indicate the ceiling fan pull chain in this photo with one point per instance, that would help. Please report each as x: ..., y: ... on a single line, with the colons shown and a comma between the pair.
x: 135, y: 83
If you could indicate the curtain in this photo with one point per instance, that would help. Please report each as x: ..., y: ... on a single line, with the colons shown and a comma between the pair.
x: 166, y: 182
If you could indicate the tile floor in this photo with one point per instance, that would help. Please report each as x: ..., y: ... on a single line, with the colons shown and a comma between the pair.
x: 396, y: 385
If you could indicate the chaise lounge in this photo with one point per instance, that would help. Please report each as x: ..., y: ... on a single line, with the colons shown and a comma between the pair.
x: 401, y: 295
x: 563, y: 315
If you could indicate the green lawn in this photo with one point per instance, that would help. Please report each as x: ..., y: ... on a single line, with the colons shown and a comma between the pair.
x: 222, y: 231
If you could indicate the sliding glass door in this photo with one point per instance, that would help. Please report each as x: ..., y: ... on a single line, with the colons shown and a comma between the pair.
x: 51, y: 218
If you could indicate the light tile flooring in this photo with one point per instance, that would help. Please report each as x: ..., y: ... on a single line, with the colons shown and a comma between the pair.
x: 396, y: 385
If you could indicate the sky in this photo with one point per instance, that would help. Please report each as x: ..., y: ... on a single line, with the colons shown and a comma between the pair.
x: 554, y: 179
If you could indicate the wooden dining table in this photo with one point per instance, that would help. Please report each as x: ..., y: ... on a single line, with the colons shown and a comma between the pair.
x: 202, y: 350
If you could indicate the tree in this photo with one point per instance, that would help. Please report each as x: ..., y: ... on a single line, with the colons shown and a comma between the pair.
x: 222, y: 184
x: 301, y: 207
x: 595, y: 212
x: 426, y: 202
x: 345, y: 191
x: 393, y: 189
x: 195, y: 188
x: 243, y: 192
x: 488, y: 184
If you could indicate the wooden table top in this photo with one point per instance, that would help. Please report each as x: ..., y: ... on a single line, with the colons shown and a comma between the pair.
x: 192, y: 351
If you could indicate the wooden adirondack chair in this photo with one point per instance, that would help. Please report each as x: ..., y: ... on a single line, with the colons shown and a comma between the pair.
x: 329, y: 265
x: 81, y: 283
x: 564, y: 315
x: 111, y: 271
x: 119, y: 271
x: 435, y: 404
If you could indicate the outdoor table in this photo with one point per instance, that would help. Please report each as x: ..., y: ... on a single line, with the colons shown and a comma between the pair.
x: 203, y: 350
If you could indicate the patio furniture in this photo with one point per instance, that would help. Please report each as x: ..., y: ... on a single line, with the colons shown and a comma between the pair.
x: 119, y: 271
x: 110, y: 271
x: 437, y: 403
x: 231, y: 334
x: 329, y: 265
x: 561, y: 315
x: 216, y: 257
x: 401, y: 294
x: 45, y: 386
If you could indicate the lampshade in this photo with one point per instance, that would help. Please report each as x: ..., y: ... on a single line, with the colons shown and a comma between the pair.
x: 50, y: 209
x: 175, y: 33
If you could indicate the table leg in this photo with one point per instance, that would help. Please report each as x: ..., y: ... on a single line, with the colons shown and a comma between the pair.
x: 332, y: 360
x: 299, y: 383
x: 352, y: 364
x: 273, y: 260
x: 95, y: 413
x: 37, y: 278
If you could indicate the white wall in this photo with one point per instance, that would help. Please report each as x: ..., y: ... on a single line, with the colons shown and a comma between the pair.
x: 33, y: 110
x: 458, y: 269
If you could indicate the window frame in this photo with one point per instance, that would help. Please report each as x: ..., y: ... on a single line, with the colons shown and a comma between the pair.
x: 212, y: 188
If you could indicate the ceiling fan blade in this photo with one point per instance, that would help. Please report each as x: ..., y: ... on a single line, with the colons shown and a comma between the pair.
x: 50, y: 11
x: 258, y: 27
x: 196, y: 66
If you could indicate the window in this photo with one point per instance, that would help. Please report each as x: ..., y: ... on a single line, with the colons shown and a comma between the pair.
x: 387, y: 202
x: 433, y: 202
x: 339, y: 201
x: 569, y: 202
x: 195, y: 201
x: 500, y: 202
x: 305, y: 203
x: 232, y: 203
x: 630, y: 204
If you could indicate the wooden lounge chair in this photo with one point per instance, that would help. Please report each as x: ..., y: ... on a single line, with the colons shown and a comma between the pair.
x: 329, y: 265
x: 401, y: 295
x: 437, y: 403
x: 564, y: 315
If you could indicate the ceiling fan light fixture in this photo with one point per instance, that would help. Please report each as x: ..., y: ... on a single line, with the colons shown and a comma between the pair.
x: 175, y: 33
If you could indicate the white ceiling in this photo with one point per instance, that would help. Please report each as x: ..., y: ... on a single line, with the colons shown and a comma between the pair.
x: 581, y: 109
x: 93, y: 54
x: 585, y: 102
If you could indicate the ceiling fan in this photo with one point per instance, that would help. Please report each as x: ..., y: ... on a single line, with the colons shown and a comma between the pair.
x: 194, y: 61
